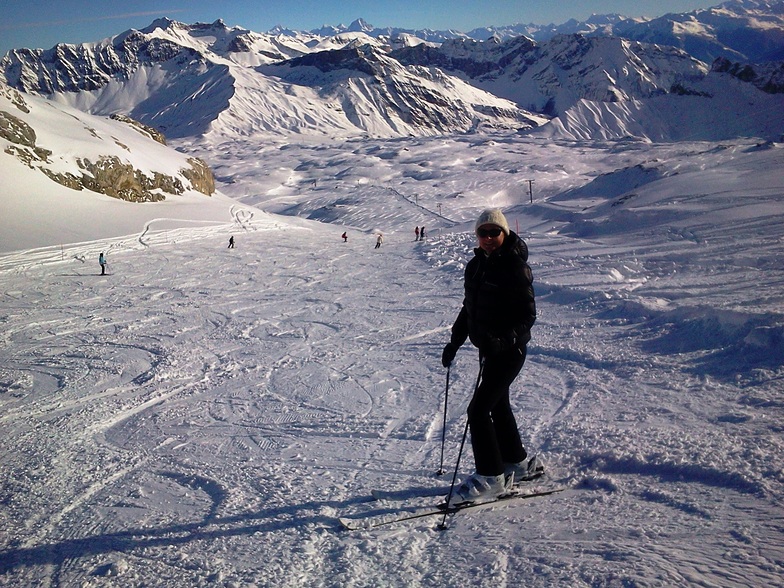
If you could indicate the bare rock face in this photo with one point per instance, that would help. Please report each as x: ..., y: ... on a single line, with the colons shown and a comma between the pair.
x: 120, y: 180
x: 146, y: 130
x: 768, y: 77
x: 200, y: 176
x: 16, y: 130
x: 23, y: 137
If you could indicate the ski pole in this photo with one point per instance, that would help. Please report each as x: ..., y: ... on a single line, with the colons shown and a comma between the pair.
x: 440, y: 471
x: 442, y: 526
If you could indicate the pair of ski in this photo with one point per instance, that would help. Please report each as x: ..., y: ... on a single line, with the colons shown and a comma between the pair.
x: 372, y: 521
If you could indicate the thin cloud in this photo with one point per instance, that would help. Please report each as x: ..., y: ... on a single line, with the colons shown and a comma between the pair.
x: 51, y: 23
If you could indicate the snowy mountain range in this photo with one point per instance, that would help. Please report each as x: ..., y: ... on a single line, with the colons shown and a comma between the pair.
x: 743, y: 30
x: 187, y: 79
x: 209, y: 79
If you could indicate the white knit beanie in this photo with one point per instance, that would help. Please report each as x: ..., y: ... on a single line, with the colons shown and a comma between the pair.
x: 493, y: 216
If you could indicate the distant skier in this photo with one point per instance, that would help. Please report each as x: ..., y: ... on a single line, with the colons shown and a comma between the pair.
x: 102, y: 262
x: 416, y: 234
x: 231, y: 242
x: 344, y: 236
x: 379, y: 240
x: 422, y: 233
x: 497, y: 315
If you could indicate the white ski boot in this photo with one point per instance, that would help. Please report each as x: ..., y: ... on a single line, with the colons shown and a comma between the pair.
x: 523, y: 471
x: 478, y: 488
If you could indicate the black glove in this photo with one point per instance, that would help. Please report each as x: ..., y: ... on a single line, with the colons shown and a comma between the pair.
x: 450, y: 350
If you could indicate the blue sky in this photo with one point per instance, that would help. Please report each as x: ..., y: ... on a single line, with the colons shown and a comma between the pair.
x: 44, y: 23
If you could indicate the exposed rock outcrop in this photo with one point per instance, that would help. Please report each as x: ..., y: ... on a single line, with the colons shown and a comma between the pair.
x: 105, y: 174
x: 768, y: 77
x: 200, y: 176
x: 144, y: 129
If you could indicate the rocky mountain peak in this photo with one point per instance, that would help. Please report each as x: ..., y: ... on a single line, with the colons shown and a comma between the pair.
x: 187, y: 80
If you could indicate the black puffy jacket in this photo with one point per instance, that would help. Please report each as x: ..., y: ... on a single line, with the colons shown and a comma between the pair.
x: 499, y: 298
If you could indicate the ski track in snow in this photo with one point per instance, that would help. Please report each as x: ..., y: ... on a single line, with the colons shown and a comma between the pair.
x: 201, y: 416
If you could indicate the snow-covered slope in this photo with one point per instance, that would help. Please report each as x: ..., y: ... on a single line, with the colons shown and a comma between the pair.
x: 68, y: 176
x: 708, y: 112
x: 552, y: 77
x: 202, y: 416
x: 383, y: 98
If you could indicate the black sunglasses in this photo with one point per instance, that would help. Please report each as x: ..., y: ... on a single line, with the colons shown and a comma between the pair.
x: 494, y: 232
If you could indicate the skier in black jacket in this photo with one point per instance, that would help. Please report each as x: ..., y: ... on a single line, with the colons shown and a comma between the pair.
x: 497, y: 315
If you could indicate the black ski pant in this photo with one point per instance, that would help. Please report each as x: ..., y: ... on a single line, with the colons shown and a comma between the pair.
x: 495, y: 439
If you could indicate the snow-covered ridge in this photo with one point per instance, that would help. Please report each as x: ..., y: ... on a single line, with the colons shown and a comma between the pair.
x: 740, y: 30
x: 552, y: 77
x: 201, y: 79
x: 159, y: 74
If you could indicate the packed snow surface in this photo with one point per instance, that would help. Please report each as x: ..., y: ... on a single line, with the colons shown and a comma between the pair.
x: 202, y: 416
